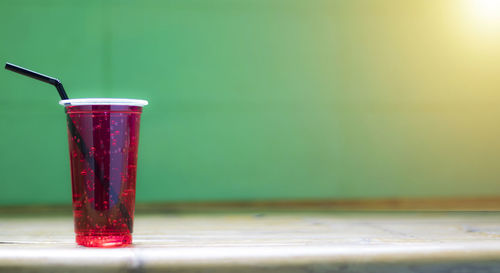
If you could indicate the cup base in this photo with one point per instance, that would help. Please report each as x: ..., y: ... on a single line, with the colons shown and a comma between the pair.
x: 104, y: 240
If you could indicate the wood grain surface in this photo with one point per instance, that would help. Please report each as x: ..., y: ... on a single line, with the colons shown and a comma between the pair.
x: 263, y: 241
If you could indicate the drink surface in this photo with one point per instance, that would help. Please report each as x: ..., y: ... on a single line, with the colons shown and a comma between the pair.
x: 103, y: 142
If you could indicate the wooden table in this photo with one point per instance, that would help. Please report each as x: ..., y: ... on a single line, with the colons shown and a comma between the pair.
x: 284, y: 241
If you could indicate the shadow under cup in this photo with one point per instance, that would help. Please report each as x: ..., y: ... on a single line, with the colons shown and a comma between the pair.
x: 103, y: 136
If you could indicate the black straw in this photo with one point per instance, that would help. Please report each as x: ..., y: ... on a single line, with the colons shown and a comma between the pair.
x: 38, y: 76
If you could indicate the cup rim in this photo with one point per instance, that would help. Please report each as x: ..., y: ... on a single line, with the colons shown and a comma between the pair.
x: 103, y: 101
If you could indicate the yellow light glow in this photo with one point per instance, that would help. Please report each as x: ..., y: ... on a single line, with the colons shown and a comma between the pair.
x: 485, y: 12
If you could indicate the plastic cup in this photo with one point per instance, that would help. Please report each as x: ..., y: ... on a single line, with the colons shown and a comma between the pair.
x: 103, y: 136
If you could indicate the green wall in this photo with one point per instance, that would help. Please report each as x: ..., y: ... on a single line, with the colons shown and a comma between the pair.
x: 261, y: 99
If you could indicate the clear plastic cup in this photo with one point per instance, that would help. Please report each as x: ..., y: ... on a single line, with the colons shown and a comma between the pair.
x: 103, y: 136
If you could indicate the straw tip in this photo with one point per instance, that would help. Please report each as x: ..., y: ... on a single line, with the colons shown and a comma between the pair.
x: 10, y: 66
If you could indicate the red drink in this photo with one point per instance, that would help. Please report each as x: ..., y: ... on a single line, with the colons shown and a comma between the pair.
x: 103, y: 142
